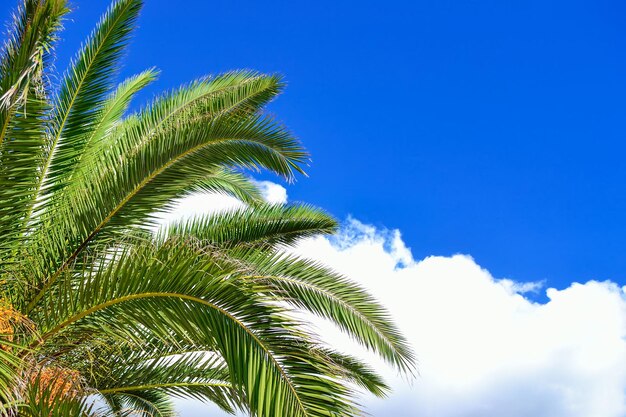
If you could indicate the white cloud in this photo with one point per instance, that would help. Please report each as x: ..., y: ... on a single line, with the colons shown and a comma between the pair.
x: 523, y: 287
x: 484, y: 349
x: 272, y: 192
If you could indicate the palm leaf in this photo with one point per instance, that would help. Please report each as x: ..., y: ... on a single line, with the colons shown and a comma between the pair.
x: 83, y: 92
x: 268, y: 358
x: 310, y: 286
x: 112, y: 110
x: 257, y: 225
x: 143, y: 171
x: 27, y: 48
x: 128, y: 195
x: 301, y: 282
x: 23, y: 91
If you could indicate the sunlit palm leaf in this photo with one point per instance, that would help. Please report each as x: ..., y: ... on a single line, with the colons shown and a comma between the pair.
x: 83, y: 92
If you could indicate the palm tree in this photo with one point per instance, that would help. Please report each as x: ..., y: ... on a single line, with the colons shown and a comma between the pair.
x: 99, y: 313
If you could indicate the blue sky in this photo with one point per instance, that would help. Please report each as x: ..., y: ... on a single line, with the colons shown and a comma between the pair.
x: 483, y: 127
x: 492, y: 129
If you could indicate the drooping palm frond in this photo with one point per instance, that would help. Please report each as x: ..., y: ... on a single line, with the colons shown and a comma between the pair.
x: 301, y: 282
x: 311, y: 286
x: 140, y: 403
x: 232, y: 316
x: 353, y: 370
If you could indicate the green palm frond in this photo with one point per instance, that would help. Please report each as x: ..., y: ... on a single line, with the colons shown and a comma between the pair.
x: 112, y: 110
x: 315, y: 288
x: 9, y: 374
x: 302, y: 282
x: 25, y: 52
x: 23, y: 106
x: 353, y: 370
x: 20, y: 159
x: 140, y: 403
x: 265, y: 224
x: 138, y: 175
x: 237, y: 92
x: 268, y: 355
x: 83, y: 92
x: 117, y: 103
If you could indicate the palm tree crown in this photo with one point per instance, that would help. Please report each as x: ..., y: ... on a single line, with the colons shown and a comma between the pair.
x: 96, y: 305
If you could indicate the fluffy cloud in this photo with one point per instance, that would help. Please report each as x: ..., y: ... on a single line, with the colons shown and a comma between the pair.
x: 272, y: 192
x: 484, y: 348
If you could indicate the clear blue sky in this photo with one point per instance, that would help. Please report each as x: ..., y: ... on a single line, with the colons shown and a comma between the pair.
x: 491, y: 128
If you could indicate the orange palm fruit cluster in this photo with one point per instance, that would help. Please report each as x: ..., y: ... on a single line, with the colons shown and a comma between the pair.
x: 58, y: 382
x: 9, y: 317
